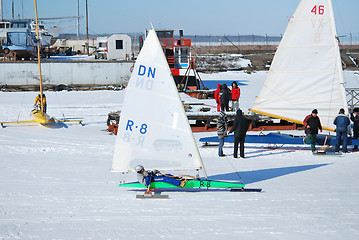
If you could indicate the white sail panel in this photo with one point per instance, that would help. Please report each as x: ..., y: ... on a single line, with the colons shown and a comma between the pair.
x: 154, y: 129
x: 306, y: 71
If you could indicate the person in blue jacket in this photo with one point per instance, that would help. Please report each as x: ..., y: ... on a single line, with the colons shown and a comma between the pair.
x: 342, y: 122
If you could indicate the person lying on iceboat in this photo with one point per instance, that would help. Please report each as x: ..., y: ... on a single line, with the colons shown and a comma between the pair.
x: 145, y: 177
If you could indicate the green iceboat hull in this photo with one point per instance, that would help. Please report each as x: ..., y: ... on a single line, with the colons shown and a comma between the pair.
x: 206, y: 184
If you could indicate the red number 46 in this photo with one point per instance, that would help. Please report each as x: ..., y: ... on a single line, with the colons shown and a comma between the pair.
x: 318, y: 10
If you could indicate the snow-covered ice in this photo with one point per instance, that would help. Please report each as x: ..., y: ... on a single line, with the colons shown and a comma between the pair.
x: 56, y: 183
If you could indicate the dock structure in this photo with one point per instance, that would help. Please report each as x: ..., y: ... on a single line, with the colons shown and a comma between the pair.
x: 73, y: 74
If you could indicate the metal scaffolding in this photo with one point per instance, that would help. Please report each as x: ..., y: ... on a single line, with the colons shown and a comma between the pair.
x: 352, y: 97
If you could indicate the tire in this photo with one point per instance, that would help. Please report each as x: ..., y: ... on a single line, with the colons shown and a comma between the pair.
x: 61, y: 87
x: 6, y: 51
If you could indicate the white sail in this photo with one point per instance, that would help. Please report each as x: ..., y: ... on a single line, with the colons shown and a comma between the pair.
x: 154, y: 129
x: 306, y: 72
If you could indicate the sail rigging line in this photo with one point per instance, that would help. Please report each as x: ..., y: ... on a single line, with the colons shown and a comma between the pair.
x: 339, y: 59
x: 336, y: 71
x: 58, y: 100
x: 331, y: 93
x: 22, y: 101
x: 235, y: 170
x: 338, y: 62
x: 336, y: 66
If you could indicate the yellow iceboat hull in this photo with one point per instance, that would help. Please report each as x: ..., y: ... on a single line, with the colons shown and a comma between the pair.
x: 42, y: 118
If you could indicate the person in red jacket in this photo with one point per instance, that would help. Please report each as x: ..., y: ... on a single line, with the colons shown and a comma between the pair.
x: 235, y: 94
x: 216, y: 97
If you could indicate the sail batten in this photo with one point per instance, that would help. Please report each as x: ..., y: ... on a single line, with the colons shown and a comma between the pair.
x: 306, y: 71
x: 153, y: 129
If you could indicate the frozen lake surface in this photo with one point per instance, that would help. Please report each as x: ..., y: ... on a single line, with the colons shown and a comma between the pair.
x: 56, y: 182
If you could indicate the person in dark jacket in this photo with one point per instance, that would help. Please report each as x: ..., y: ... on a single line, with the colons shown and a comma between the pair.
x: 355, y: 118
x: 240, y: 128
x: 312, y: 124
x: 221, y: 131
x: 342, y: 122
x: 225, y: 95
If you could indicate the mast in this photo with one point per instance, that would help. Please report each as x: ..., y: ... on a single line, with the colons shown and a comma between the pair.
x: 1, y: 10
x: 12, y: 9
x: 338, y: 58
x: 87, y: 29
x: 78, y: 18
x: 38, y: 55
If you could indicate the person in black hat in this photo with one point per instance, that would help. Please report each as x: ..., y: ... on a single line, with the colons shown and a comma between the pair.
x: 355, y: 118
x: 224, y: 96
x: 311, y: 126
x: 342, y: 122
x: 240, y: 128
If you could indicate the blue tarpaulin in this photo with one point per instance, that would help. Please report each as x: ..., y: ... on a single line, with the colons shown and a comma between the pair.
x: 278, y: 138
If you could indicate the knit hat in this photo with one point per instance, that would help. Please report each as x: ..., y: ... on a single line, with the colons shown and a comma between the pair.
x: 315, y: 111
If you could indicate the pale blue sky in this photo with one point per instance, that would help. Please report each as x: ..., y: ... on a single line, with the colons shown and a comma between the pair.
x: 202, y: 17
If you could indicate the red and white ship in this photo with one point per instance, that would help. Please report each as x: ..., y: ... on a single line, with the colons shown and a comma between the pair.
x: 178, y: 55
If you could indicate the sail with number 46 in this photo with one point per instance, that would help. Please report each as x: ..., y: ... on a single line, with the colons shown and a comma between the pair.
x: 153, y: 130
x: 306, y: 72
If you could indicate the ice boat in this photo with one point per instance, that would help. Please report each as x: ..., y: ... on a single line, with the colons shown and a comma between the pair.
x: 306, y: 72
x: 153, y: 129
x: 39, y: 115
